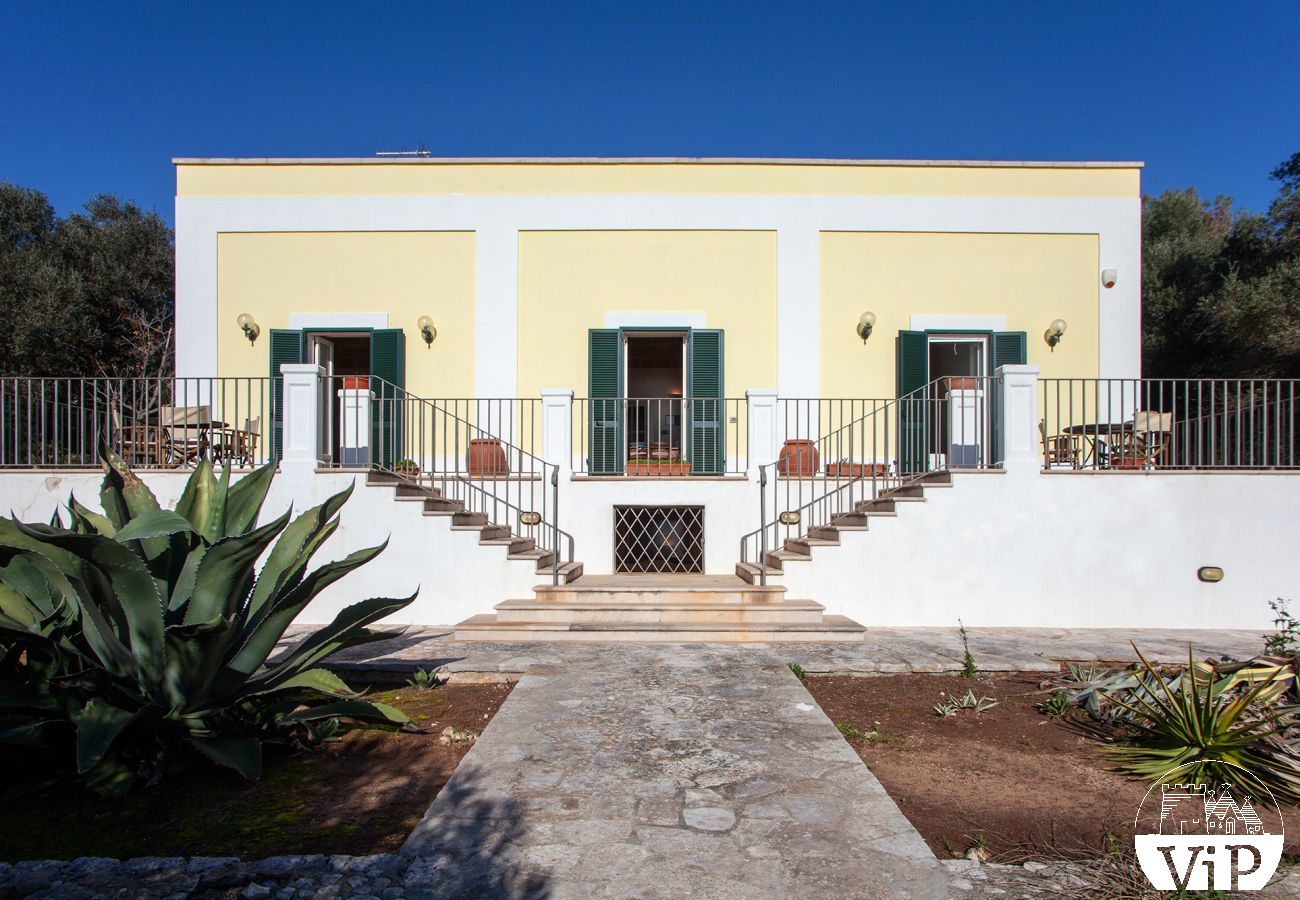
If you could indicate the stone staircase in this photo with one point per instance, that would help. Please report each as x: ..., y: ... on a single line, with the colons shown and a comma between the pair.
x: 517, y: 548
x: 800, y: 550
x: 675, y: 608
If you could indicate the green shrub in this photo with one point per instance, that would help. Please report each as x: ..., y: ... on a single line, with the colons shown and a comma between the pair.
x: 798, y: 671
x: 133, y: 643
x: 1229, y: 728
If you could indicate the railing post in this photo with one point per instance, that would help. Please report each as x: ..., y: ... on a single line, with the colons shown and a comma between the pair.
x: 762, y: 526
x: 1018, y: 420
x: 300, y: 409
x: 764, y: 429
x: 557, y: 428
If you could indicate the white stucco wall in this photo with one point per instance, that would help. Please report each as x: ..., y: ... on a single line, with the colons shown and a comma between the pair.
x: 1068, y: 550
x: 456, y: 576
x: 587, y: 512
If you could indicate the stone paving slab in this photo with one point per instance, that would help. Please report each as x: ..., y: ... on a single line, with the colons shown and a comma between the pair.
x: 885, y: 651
x: 657, y: 772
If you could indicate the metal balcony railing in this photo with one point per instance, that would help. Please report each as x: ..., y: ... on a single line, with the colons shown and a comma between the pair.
x: 1153, y: 424
x: 153, y: 423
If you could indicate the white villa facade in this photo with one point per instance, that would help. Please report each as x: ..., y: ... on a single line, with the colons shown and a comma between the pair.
x: 820, y: 395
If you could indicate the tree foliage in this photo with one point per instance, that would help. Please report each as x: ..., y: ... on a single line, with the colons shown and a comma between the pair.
x: 87, y: 294
x: 1221, y: 287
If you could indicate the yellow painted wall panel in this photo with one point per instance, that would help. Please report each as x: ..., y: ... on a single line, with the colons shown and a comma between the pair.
x: 569, y: 280
x: 405, y: 274
x: 1029, y: 278
x: 426, y: 178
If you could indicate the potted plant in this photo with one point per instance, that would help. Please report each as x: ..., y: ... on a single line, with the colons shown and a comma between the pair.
x: 798, y: 459
x: 674, y: 467
x: 845, y: 469
x: 408, y: 467
x: 486, y: 457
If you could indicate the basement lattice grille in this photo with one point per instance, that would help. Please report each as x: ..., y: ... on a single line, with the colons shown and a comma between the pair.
x: 658, y: 539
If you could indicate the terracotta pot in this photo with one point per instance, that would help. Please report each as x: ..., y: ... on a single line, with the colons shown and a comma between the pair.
x: 659, y: 469
x: 963, y: 384
x: 854, y: 470
x: 799, y: 459
x: 1128, y: 462
x: 356, y: 382
x: 486, y: 457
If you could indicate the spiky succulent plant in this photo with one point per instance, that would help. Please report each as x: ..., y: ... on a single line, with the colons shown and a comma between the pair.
x: 135, y: 641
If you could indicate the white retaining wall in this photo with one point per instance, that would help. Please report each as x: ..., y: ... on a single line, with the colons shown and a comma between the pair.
x: 587, y: 512
x: 457, y: 577
x: 1029, y: 549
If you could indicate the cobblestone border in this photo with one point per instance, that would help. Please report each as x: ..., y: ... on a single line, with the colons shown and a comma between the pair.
x: 282, y: 877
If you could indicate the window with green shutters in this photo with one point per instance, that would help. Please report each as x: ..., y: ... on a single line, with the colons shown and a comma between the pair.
x: 1006, y: 348
x: 708, y: 453
x: 388, y: 368
x: 287, y: 347
x: 912, y: 361
x: 604, y: 390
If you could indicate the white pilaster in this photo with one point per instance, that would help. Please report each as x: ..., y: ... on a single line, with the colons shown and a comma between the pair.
x: 798, y: 310
x: 764, y: 436
x: 1018, y: 419
x: 496, y: 311
x: 557, y: 428
x: 300, y: 410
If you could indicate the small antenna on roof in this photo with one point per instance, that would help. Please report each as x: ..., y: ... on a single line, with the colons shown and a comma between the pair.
x: 420, y: 152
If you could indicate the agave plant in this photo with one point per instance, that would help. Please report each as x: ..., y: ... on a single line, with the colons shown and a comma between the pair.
x: 1224, y: 729
x: 131, y: 638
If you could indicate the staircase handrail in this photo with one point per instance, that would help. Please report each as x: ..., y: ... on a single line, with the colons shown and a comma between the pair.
x: 539, y: 469
x: 770, y: 473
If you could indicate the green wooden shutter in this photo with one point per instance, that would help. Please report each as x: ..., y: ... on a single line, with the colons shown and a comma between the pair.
x: 388, y: 368
x: 708, y: 455
x: 604, y: 390
x: 1007, y: 348
x: 288, y: 346
x: 912, y: 362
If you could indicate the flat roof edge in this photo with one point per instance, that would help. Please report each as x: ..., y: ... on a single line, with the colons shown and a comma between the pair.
x: 648, y: 160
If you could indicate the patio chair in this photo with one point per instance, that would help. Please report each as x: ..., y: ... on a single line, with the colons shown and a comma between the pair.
x: 1145, y: 443
x: 141, y: 444
x: 238, y: 445
x: 1060, y: 449
x: 185, y: 432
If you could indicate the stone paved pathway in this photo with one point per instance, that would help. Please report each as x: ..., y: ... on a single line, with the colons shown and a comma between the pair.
x: 885, y: 650
x: 668, y: 771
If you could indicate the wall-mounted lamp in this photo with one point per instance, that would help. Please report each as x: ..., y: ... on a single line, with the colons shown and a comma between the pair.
x: 427, y: 331
x: 1054, y: 333
x: 865, y: 324
x: 250, y: 327
x: 1109, y: 277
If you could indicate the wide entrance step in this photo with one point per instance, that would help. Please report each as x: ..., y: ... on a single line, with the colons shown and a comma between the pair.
x: 659, y: 608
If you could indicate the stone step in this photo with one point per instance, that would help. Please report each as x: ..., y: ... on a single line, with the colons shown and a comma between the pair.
x: 443, y: 507
x: 592, y: 590
x: 804, y: 545
x: 487, y: 628
x: 786, y: 612
x: 751, y: 573
x: 415, y: 492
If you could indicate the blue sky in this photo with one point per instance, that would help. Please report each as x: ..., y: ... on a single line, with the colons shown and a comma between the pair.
x: 100, y: 96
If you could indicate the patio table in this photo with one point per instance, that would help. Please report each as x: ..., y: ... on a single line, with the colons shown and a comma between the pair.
x: 1099, y: 438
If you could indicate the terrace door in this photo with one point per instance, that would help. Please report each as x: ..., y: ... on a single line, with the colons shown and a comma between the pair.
x: 708, y: 453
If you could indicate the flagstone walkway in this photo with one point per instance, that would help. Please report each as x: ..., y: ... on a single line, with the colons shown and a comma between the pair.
x: 651, y: 771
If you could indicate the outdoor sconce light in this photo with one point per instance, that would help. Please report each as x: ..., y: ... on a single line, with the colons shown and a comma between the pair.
x: 530, y: 518
x: 1109, y: 277
x: 1209, y: 574
x: 1054, y: 333
x: 251, y: 328
x: 865, y: 324
x: 789, y: 518
x: 427, y: 331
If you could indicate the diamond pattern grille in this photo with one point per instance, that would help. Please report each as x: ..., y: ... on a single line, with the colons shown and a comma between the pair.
x: 658, y: 539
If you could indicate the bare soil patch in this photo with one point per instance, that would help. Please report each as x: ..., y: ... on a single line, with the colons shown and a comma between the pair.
x: 1007, y: 779
x: 358, y: 795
